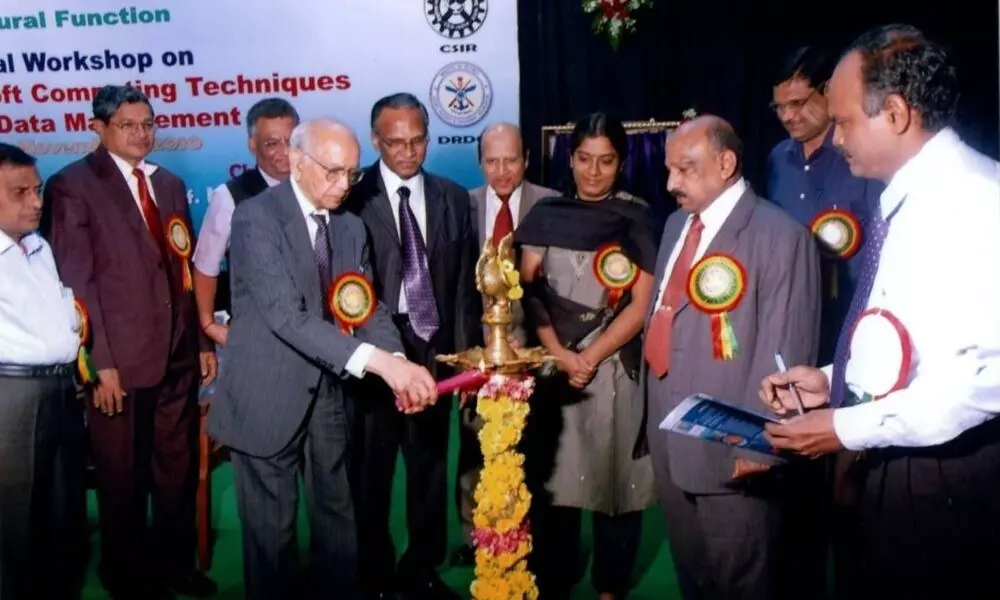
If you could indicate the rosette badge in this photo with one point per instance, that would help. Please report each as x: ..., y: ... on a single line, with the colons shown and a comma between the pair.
x: 615, y: 272
x: 716, y: 286
x: 839, y: 235
x: 179, y: 240
x: 88, y: 374
x: 351, y: 299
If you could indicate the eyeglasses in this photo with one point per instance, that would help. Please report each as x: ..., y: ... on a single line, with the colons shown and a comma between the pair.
x: 133, y: 127
x: 395, y: 145
x: 793, y: 105
x: 333, y: 174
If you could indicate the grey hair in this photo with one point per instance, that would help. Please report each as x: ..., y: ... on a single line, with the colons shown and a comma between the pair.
x: 494, y: 127
x: 302, y: 136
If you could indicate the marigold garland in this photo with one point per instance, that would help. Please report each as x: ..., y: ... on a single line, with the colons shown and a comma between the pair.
x: 502, y: 533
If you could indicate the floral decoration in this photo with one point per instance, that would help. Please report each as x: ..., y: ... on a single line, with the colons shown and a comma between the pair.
x: 502, y: 534
x: 513, y: 279
x: 614, y: 17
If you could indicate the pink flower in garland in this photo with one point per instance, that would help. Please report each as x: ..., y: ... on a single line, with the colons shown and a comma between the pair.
x: 501, y: 543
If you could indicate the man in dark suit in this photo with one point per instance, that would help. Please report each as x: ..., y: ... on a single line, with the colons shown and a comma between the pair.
x: 120, y: 231
x: 424, y: 251
x: 497, y: 208
x: 284, y: 397
x: 728, y: 510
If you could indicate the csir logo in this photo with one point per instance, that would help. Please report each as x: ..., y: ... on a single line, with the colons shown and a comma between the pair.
x: 461, y: 94
x: 456, y: 19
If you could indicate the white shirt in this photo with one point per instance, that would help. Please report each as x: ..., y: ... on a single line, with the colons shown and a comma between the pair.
x: 213, y: 239
x: 493, y: 205
x: 713, y: 218
x: 133, y: 181
x: 939, y: 274
x: 38, y: 323
x: 417, y: 204
x: 358, y: 362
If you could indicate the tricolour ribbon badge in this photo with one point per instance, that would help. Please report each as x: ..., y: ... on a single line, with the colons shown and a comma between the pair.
x: 615, y: 272
x: 839, y: 235
x: 88, y: 374
x: 351, y: 300
x: 179, y: 240
x: 716, y: 286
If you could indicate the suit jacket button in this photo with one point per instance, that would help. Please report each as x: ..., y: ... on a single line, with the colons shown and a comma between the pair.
x: 167, y: 303
x: 311, y: 390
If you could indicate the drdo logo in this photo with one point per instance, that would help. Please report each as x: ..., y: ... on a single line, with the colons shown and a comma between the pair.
x: 461, y: 94
x: 456, y: 19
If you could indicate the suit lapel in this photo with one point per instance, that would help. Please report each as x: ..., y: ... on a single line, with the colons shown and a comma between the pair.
x: 343, y: 259
x: 728, y: 236
x: 380, y: 205
x: 436, y: 208
x: 121, y: 197
x: 671, y: 236
x: 480, y: 197
x: 528, y: 199
x: 294, y: 224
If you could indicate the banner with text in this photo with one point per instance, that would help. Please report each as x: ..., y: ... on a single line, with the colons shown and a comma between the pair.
x: 204, y: 64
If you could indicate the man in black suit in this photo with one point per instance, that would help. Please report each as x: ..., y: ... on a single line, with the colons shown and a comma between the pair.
x: 424, y: 251
x: 284, y: 396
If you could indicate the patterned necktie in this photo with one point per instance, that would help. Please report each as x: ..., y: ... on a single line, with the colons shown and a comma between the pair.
x: 877, y: 231
x: 321, y: 252
x: 416, y: 273
x: 504, y: 223
x: 151, y: 214
x: 660, y: 328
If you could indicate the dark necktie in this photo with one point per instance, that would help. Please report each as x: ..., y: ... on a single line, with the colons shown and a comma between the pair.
x: 877, y: 231
x: 151, y: 214
x: 321, y: 252
x: 416, y: 274
x: 657, y: 351
x: 504, y: 223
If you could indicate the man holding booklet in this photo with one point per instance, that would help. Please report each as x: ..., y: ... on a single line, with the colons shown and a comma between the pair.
x: 737, y: 280
x: 915, y: 382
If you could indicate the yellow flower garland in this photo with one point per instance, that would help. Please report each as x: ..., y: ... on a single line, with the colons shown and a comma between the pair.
x: 502, y: 498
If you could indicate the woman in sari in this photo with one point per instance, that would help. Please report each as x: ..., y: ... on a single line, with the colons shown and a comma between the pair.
x: 586, y: 262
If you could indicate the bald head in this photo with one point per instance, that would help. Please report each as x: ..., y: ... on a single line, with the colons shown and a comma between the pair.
x: 324, y: 156
x: 503, y: 157
x: 704, y: 157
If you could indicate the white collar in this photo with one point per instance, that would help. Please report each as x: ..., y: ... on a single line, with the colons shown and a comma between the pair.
x: 515, y: 197
x: 126, y: 169
x: 925, y: 163
x: 271, y: 181
x: 393, y: 182
x: 308, y: 208
x: 718, y: 211
x: 31, y: 243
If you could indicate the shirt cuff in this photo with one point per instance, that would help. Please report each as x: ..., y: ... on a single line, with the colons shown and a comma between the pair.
x: 358, y: 362
x: 857, y: 427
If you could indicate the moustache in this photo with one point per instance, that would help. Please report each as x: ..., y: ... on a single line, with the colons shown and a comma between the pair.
x: 677, y: 194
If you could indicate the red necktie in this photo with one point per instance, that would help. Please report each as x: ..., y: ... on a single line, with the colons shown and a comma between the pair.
x: 151, y: 214
x: 657, y: 348
x: 504, y: 223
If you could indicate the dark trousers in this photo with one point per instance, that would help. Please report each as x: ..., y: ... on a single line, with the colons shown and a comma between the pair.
x: 42, y: 506
x: 930, y: 520
x: 148, y: 451
x: 423, y: 438
x: 556, y: 559
x: 761, y: 542
x: 267, y: 499
x: 470, y: 463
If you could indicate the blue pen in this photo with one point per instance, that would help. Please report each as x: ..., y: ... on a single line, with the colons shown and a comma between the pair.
x: 783, y: 368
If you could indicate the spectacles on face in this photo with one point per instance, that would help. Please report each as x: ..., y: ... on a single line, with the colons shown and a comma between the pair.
x: 793, y: 105
x: 272, y: 145
x: 134, y: 127
x: 395, y: 144
x: 333, y: 174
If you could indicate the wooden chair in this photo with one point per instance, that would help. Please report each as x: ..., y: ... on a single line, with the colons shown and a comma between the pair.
x: 210, y: 455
